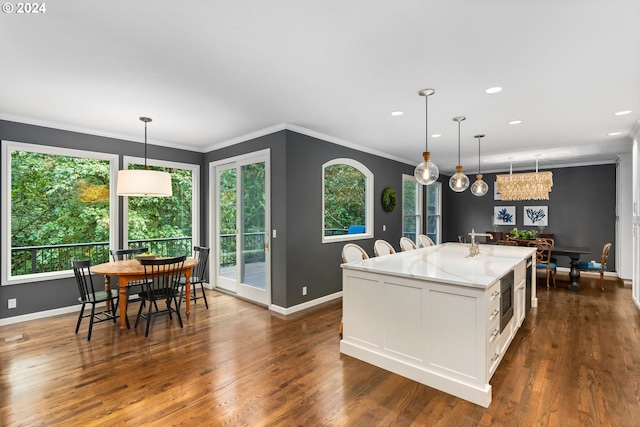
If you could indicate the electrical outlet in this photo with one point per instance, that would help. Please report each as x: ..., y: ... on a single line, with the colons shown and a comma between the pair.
x: 304, y: 290
x: 11, y: 303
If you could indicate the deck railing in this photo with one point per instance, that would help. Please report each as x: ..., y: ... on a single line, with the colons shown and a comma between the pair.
x: 252, y: 248
x: 45, y: 259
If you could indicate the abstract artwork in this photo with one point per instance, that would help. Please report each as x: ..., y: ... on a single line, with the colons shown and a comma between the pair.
x: 496, y: 193
x: 504, y: 215
x: 537, y: 216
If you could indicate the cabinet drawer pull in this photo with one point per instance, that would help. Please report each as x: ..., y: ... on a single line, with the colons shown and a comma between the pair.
x: 494, y: 334
x: 495, y: 357
x: 495, y: 294
x: 494, y: 314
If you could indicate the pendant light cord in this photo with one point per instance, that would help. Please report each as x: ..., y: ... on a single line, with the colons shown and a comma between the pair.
x: 145, y: 145
x: 426, y: 123
x: 479, y: 155
x: 458, y: 142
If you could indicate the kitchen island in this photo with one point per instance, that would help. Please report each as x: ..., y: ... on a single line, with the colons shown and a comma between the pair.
x: 437, y: 316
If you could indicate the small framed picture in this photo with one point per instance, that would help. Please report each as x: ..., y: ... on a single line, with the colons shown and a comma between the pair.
x: 496, y: 193
x: 537, y: 216
x: 504, y: 215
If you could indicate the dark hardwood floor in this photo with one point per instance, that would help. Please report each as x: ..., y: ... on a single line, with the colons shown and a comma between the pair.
x: 575, y: 362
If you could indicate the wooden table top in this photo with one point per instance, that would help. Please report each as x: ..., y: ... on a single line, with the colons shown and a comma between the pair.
x: 129, y: 267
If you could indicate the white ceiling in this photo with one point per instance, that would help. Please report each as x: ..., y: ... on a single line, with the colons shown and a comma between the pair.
x: 211, y: 72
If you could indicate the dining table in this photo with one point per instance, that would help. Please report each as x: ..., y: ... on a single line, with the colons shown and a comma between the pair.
x: 132, y: 270
x: 574, y: 253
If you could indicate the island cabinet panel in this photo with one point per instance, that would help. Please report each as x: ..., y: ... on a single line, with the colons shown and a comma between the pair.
x: 454, y: 339
x: 364, y: 320
x: 446, y: 335
x: 404, y: 315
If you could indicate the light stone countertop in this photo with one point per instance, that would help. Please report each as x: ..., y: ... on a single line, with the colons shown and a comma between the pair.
x: 448, y: 263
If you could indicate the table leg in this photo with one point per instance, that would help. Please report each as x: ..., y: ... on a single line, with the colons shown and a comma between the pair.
x: 107, y: 288
x: 574, y: 275
x: 123, y: 303
x: 187, y: 289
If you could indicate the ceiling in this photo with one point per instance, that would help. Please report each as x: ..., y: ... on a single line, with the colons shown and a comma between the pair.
x: 210, y: 73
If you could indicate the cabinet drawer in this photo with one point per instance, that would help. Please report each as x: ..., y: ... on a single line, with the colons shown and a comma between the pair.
x: 493, y: 356
x: 493, y: 333
x: 493, y: 295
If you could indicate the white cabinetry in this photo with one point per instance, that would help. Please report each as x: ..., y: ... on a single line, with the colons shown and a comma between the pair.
x: 400, y: 314
x: 493, y: 330
x: 635, y: 280
x: 520, y: 291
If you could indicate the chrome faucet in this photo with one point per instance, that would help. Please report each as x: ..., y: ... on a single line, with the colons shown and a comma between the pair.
x: 474, y: 249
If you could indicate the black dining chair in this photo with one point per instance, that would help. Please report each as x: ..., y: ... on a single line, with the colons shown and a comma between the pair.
x: 133, y: 288
x: 89, y: 295
x: 162, y: 284
x: 198, y: 276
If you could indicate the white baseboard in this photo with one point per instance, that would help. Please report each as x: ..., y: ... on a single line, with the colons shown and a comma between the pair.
x: 305, y: 305
x: 40, y: 315
x: 76, y: 308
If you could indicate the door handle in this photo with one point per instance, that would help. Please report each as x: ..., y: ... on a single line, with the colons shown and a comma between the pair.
x: 266, y: 246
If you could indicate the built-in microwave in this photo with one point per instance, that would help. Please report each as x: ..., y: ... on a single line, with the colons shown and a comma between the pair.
x: 506, y: 299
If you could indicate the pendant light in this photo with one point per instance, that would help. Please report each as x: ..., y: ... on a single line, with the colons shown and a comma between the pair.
x: 426, y: 172
x: 143, y: 182
x: 479, y: 188
x: 459, y: 181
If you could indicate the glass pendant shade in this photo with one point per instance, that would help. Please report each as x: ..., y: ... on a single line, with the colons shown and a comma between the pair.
x: 459, y: 181
x: 427, y: 172
x: 479, y: 188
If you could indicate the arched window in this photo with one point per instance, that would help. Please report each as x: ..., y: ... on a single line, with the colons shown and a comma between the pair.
x: 347, y: 188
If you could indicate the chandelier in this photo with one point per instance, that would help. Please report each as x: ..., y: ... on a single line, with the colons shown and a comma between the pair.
x: 525, y: 186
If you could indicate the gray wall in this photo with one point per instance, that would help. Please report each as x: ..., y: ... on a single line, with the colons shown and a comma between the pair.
x: 299, y: 258
x: 48, y: 295
x: 276, y: 142
x: 582, y: 210
x: 310, y: 262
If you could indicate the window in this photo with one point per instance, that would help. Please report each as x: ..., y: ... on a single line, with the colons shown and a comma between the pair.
x: 411, y: 208
x: 57, y: 204
x: 168, y: 226
x: 434, y: 192
x: 347, y: 201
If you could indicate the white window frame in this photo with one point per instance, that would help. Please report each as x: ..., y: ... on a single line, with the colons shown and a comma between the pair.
x: 7, y: 147
x: 420, y: 213
x: 438, y: 239
x: 369, y: 180
x: 195, y: 195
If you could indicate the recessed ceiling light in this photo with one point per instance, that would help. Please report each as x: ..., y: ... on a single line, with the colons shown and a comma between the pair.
x: 495, y: 89
x: 436, y: 135
x: 515, y: 122
x: 397, y: 113
x: 614, y: 133
x: 622, y: 113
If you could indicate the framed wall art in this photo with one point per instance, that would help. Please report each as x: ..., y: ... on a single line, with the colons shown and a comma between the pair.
x: 537, y: 216
x: 504, y: 215
x: 496, y: 193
